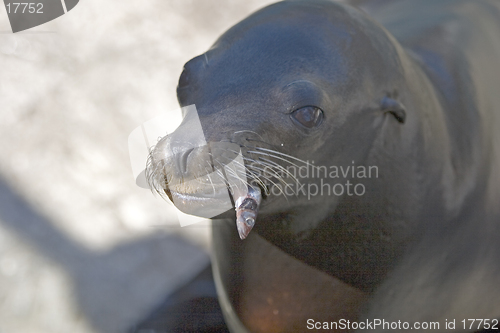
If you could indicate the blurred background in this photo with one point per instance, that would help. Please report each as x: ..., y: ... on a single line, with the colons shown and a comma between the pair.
x: 82, y: 248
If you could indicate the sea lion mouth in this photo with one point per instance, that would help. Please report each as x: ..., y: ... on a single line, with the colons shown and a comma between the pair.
x: 201, y: 189
x: 193, y: 196
x: 207, y: 203
x: 227, y: 176
x: 246, y: 204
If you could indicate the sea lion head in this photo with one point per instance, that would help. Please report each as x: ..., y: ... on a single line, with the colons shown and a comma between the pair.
x: 295, y: 84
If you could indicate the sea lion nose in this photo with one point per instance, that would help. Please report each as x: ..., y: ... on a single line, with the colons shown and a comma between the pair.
x: 186, y: 150
x: 181, y: 160
x: 186, y: 161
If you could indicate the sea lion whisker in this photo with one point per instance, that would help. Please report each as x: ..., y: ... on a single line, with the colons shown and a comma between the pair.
x: 282, y: 154
x: 219, y: 173
x: 230, y: 184
x: 153, y: 173
x: 243, y: 167
x: 275, y: 173
x: 281, y: 168
x: 265, y: 187
x: 234, y: 174
x: 257, y: 179
x: 254, y: 175
x: 269, y: 179
x: 315, y: 167
x: 268, y: 172
x: 251, y: 175
x: 232, y: 161
x: 153, y: 182
x: 274, y: 156
x: 210, y: 179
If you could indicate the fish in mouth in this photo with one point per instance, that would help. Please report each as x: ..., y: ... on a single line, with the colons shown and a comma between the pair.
x: 247, y: 208
x: 203, y: 181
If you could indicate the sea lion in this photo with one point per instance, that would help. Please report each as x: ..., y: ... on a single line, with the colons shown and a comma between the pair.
x: 405, y: 87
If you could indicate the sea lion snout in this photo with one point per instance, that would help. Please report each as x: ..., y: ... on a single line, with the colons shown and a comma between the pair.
x: 179, y: 160
x: 185, y: 163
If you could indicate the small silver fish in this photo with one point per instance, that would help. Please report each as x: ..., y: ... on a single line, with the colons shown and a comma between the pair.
x: 247, y: 207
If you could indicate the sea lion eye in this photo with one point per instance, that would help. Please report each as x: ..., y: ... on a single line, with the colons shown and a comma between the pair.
x: 308, y: 116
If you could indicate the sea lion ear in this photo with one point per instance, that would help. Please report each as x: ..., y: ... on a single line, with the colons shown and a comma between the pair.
x: 394, y: 107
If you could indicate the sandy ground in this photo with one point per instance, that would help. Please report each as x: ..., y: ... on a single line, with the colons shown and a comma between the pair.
x: 82, y: 248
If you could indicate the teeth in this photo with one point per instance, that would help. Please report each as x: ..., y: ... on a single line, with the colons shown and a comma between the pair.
x: 247, y: 208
